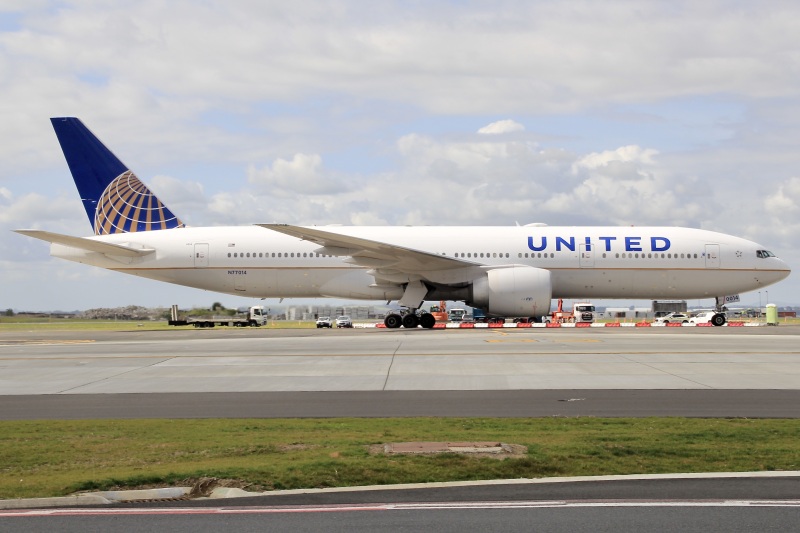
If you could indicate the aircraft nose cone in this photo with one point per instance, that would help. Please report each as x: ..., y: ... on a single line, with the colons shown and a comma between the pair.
x: 784, y: 269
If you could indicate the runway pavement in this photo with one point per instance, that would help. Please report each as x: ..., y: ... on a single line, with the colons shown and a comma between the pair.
x: 267, y: 372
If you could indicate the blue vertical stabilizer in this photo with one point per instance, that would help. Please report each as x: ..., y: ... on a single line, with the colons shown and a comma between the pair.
x: 113, y: 197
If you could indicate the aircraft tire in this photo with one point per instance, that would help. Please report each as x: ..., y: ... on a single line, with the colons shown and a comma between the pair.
x: 427, y: 321
x: 410, y: 321
x: 718, y: 319
x: 393, y: 321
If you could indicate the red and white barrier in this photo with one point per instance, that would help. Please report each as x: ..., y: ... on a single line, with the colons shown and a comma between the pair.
x: 513, y: 325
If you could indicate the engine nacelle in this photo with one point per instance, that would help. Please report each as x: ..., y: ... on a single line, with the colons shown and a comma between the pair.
x: 515, y: 291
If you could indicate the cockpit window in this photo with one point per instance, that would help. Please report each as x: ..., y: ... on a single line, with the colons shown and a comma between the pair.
x: 764, y: 254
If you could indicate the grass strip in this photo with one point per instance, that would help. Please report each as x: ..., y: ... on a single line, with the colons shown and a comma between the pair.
x: 52, y: 458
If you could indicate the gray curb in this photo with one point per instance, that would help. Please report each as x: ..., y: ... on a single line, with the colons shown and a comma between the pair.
x: 172, y: 493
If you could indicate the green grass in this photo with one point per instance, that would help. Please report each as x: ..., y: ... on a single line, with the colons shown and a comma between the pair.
x: 48, y: 458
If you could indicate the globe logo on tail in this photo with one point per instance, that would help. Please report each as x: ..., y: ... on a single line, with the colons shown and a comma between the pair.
x: 127, y: 205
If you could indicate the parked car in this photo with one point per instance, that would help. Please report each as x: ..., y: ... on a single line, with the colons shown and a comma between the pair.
x: 673, y: 318
x: 324, y: 322
x: 705, y: 317
x: 344, y: 322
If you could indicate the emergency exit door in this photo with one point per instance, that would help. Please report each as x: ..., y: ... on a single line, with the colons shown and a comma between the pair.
x: 586, y: 256
x: 201, y: 255
x: 712, y: 255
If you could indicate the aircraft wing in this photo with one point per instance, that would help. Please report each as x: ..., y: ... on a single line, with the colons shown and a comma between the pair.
x: 84, y: 243
x: 371, y: 253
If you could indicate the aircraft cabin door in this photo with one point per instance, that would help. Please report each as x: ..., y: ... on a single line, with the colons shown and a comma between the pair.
x: 712, y: 255
x: 201, y: 255
x: 586, y: 256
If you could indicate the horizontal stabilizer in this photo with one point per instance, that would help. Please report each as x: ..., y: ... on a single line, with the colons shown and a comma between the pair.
x: 84, y: 243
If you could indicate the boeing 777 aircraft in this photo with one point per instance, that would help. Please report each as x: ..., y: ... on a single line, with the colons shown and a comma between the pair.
x: 506, y: 271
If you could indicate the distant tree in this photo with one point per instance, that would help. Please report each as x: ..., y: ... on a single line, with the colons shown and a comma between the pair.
x: 217, y: 306
x: 9, y: 312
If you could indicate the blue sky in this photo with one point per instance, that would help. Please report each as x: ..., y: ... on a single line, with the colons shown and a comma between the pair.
x: 452, y: 113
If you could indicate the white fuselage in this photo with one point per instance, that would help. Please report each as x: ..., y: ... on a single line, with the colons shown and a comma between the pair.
x: 584, y: 262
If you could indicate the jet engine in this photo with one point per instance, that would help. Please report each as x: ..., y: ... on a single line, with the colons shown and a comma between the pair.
x: 518, y: 291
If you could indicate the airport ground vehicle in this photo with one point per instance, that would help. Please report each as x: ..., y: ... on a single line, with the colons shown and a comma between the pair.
x: 478, y: 315
x: 324, y: 322
x: 705, y: 317
x: 344, y: 322
x: 673, y: 318
x: 581, y: 312
x: 439, y: 312
x: 457, y: 315
x: 254, y: 317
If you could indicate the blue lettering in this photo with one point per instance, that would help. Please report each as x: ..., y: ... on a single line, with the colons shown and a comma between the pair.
x: 633, y: 244
x: 608, y: 240
x: 654, y: 244
x: 570, y: 244
x: 535, y: 248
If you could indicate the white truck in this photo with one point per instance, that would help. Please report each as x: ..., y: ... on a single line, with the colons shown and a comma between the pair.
x: 457, y: 315
x: 255, y: 317
x: 582, y: 312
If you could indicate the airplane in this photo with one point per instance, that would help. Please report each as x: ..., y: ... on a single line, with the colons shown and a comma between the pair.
x: 512, y: 271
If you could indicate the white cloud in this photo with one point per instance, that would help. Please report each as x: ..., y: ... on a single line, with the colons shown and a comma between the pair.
x: 785, y: 202
x: 302, y: 174
x: 624, y: 154
x: 502, y: 126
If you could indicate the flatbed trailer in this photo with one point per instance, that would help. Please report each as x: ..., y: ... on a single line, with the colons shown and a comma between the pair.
x: 255, y: 317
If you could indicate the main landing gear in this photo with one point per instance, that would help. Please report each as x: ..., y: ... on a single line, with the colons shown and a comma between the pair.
x: 411, y: 319
x: 410, y: 316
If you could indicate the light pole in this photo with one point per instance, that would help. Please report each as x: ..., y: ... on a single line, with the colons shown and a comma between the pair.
x: 759, y: 303
x: 767, y: 297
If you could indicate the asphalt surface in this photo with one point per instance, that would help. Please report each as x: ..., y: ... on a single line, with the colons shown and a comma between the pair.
x: 375, y: 404
x: 719, y: 504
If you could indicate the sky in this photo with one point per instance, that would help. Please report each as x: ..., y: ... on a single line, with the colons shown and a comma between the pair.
x: 454, y: 112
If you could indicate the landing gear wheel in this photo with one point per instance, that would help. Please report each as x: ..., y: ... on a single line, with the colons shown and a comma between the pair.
x: 392, y: 321
x: 718, y: 319
x: 410, y: 321
x: 427, y: 320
